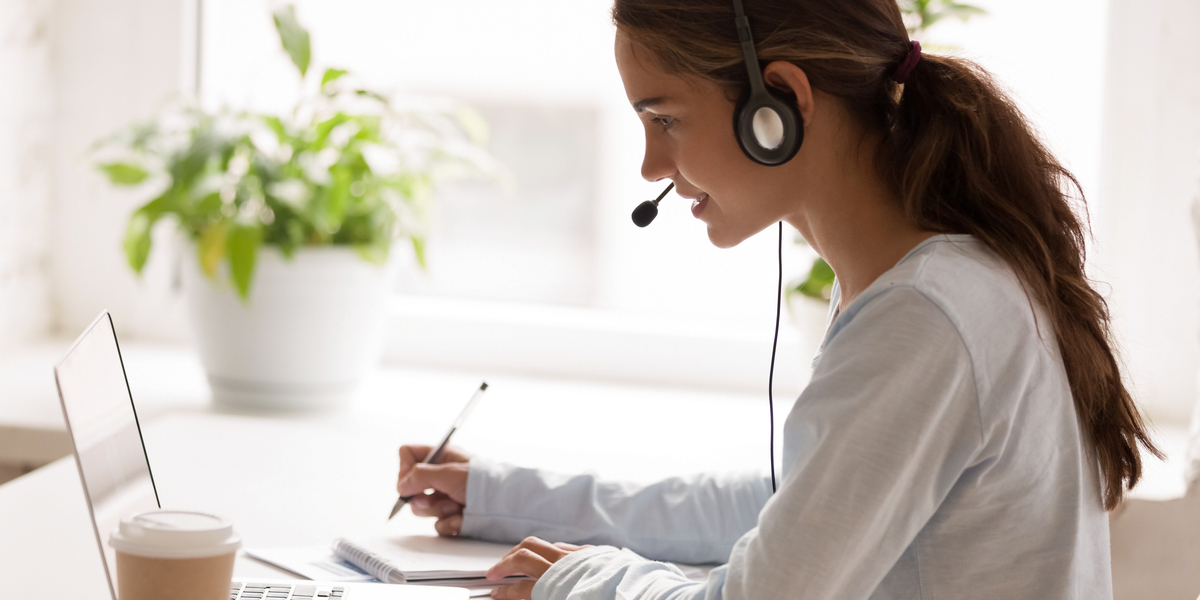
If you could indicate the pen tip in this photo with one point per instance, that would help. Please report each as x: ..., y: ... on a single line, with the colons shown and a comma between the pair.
x: 484, y: 386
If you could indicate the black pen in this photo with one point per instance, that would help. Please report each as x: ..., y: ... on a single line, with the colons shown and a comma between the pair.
x: 436, y: 453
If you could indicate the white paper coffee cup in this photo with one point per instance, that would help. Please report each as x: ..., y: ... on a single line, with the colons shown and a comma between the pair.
x: 174, y: 554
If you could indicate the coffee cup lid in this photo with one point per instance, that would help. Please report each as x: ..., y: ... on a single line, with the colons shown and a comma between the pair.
x: 175, y: 534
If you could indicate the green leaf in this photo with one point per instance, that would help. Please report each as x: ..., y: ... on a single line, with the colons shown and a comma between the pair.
x: 324, y: 128
x: 295, y: 235
x: 819, y: 283
x: 368, y: 127
x: 930, y: 12
x: 294, y: 37
x: 209, y: 206
x: 137, y: 233
x: 373, y: 95
x: 375, y: 252
x: 331, y: 75
x: 338, y: 198
x: 186, y: 166
x: 212, y: 247
x: 276, y: 125
x: 419, y: 249
x: 137, y: 241
x: 242, y: 248
x: 124, y: 173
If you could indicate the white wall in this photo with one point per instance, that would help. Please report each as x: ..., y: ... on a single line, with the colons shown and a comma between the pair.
x: 1150, y: 178
x: 26, y: 117
x: 1050, y: 55
x: 114, y: 63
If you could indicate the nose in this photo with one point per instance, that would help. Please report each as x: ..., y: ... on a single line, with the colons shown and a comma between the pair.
x: 657, y: 164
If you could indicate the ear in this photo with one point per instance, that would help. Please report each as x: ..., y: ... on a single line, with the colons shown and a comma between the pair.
x: 792, y: 80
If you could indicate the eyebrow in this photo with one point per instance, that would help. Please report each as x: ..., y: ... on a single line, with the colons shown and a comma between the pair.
x: 641, y: 105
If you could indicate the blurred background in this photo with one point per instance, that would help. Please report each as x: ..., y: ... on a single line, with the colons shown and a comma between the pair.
x: 544, y: 282
x: 548, y: 276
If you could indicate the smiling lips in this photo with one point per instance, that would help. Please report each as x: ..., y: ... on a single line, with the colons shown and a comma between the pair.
x: 698, y: 205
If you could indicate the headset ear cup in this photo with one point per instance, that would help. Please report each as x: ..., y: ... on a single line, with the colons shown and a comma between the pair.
x: 790, y: 105
x: 789, y: 115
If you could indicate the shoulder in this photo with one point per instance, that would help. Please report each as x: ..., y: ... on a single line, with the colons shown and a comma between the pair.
x: 953, y: 276
x: 973, y: 296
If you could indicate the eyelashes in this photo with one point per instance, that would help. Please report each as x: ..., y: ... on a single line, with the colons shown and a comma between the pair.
x: 666, y: 123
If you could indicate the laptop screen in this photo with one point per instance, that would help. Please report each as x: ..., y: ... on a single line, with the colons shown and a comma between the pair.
x: 100, y: 417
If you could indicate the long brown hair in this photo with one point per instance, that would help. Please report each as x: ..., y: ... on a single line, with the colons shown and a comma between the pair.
x: 958, y: 154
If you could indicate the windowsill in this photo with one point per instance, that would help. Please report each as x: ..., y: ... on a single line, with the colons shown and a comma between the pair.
x: 166, y: 378
x: 596, y: 344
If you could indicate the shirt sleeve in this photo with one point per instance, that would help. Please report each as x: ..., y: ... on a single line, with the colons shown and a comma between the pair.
x: 684, y: 519
x: 873, y: 446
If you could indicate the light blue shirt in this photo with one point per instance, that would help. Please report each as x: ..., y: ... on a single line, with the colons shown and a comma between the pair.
x: 935, y: 454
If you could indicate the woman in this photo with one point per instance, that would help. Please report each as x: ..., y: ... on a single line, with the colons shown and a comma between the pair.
x: 966, y: 426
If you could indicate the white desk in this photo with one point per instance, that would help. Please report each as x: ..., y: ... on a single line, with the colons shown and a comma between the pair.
x: 305, y: 479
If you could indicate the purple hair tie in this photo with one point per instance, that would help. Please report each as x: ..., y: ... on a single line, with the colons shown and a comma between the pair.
x: 900, y: 75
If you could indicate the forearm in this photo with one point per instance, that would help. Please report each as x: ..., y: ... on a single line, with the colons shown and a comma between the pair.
x: 605, y: 573
x: 693, y: 520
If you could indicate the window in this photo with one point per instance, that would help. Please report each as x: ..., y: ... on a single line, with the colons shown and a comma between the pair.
x: 558, y: 258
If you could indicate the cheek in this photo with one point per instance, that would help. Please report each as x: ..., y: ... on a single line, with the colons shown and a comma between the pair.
x: 714, y: 161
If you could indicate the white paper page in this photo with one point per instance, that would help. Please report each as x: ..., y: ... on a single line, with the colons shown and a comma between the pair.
x: 419, y: 553
x: 313, y: 562
x: 319, y: 563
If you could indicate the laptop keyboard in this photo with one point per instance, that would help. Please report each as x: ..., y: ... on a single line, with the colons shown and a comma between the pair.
x: 276, y: 591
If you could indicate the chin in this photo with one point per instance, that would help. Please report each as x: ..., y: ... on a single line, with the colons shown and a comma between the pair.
x: 722, y: 239
x: 729, y: 235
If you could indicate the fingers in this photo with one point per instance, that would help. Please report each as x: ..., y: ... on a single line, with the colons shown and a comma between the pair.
x: 449, y: 479
x: 436, y: 504
x: 517, y: 591
x: 450, y: 526
x: 411, y: 454
x: 532, y: 557
x: 520, y: 561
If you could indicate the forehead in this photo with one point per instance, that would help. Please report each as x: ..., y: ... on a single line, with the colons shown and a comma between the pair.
x: 644, y: 80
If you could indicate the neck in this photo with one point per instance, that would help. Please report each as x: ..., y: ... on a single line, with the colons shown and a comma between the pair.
x: 855, y: 223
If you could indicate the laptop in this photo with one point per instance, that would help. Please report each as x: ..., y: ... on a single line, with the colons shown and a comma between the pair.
x: 115, y: 469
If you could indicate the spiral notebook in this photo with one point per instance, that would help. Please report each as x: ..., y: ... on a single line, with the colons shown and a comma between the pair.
x: 423, y: 559
x: 427, y: 560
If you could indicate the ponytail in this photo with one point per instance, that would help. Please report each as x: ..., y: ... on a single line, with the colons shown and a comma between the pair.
x: 957, y: 153
x: 965, y: 160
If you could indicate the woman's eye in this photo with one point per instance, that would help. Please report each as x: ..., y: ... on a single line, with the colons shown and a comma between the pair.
x: 665, y: 122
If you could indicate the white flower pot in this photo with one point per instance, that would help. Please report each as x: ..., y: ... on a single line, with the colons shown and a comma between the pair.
x: 312, y: 328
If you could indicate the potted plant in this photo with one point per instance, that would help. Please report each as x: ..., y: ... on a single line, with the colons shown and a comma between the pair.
x: 291, y: 221
x: 808, y: 297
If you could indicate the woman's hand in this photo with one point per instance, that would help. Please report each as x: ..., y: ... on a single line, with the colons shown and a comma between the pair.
x: 447, y: 479
x: 532, y: 557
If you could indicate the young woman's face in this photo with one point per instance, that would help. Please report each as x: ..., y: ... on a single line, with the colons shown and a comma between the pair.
x: 690, y: 140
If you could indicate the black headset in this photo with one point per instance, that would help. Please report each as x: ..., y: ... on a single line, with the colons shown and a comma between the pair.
x: 767, y: 123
